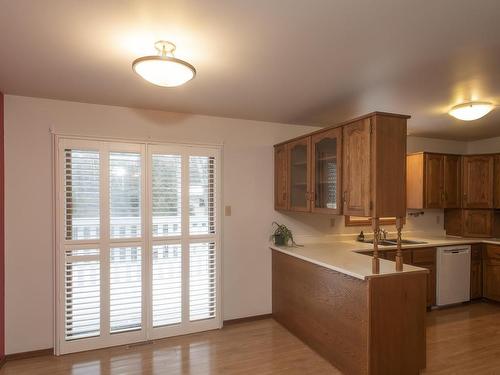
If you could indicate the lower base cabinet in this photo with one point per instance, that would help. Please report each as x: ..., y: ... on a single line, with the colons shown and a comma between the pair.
x: 491, y: 272
x: 476, y: 271
x: 426, y: 258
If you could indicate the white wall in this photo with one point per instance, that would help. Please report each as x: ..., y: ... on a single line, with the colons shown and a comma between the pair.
x: 484, y: 146
x: 248, y: 188
x: 416, y: 144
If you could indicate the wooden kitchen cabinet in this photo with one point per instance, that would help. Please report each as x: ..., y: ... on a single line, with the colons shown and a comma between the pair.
x: 496, y: 181
x: 433, y: 180
x: 491, y: 272
x: 470, y: 223
x: 299, y: 172
x: 477, y: 181
x: 476, y: 271
x: 452, y: 181
x: 280, y: 177
x: 326, y: 171
x: 426, y: 258
x: 355, y: 168
x: 374, y: 169
x: 356, y: 155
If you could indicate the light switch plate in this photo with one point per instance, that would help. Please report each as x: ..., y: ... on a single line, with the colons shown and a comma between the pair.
x: 227, y: 210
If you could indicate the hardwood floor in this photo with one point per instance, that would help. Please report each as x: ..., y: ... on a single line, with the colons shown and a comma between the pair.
x: 464, y: 340
x: 460, y: 340
x: 259, y: 347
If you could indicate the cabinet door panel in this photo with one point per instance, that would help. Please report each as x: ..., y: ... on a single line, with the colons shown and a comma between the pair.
x: 299, y: 161
x: 477, y: 223
x: 357, y: 168
x: 476, y: 284
x: 434, y: 172
x: 452, y: 181
x: 326, y: 171
x: 478, y: 181
x: 496, y: 178
x: 280, y: 178
x: 491, y: 272
x: 426, y: 258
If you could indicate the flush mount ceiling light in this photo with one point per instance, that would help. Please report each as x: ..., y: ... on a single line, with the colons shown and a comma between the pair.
x: 471, y: 110
x: 164, y: 70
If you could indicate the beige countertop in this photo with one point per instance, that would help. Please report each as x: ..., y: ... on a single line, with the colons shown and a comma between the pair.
x: 342, y: 254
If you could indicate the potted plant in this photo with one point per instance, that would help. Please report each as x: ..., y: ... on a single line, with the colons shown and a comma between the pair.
x: 282, y: 235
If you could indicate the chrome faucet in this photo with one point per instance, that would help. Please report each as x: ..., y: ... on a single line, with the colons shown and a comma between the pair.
x: 383, y: 234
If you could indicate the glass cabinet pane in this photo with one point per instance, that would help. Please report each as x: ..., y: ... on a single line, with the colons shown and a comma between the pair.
x: 325, y: 181
x: 299, y: 175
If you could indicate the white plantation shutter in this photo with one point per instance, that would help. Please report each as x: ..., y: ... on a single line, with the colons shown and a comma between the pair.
x: 81, y: 194
x: 82, y: 285
x: 125, y: 194
x: 137, y: 242
x: 166, y: 195
x: 125, y: 289
x: 201, y: 195
x: 167, y: 284
x: 202, y: 287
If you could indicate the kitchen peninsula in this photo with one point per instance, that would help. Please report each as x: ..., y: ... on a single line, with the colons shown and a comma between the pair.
x: 363, y: 323
x: 366, y: 316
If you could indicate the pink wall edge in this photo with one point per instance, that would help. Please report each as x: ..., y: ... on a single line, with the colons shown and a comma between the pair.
x: 2, y: 234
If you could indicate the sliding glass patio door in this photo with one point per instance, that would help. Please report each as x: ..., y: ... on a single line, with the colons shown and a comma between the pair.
x: 137, y: 242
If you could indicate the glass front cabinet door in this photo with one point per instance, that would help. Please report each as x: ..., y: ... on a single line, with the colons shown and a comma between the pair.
x: 326, y: 164
x: 299, y: 162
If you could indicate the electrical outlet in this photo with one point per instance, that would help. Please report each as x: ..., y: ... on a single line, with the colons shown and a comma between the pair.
x: 227, y: 210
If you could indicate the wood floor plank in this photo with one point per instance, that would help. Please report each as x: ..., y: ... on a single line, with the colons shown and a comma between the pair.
x: 460, y: 340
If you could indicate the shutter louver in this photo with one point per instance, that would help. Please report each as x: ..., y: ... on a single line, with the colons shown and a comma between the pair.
x: 125, y: 289
x: 82, y: 293
x: 202, y: 287
x: 201, y: 195
x: 125, y: 194
x: 81, y: 191
x: 167, y: 285
x: 166, y: 195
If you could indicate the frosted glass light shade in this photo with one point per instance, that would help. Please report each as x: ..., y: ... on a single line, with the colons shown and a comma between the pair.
x: 471, y: 111
x: 164, y: 71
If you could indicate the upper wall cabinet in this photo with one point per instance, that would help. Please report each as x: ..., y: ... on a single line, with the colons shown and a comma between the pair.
x: 433, y: 180
x: 356, y: 193
x: 496, y: 184
x: 280, y: 177
x: 326, y: 171
x: 374, y: 166
x: 477, y: 182
x: 299, y: 166
x: 452, y: 181
x: 356, y: 168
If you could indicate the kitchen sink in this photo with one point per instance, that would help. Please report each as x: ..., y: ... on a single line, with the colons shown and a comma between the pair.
x: 393, y: 242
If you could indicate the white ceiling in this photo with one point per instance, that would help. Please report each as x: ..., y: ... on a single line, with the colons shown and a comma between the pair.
x: 312, y: 62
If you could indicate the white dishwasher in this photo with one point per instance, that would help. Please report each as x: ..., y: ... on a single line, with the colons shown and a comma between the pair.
x: 453, y: 274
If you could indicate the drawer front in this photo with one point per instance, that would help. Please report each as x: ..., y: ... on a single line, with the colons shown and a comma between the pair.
x: 424, y: 255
